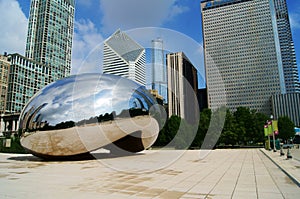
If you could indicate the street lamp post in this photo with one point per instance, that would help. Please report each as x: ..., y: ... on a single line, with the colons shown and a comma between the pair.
x: 269, y: 140
x: 267, y: 133
x: 274, y: 147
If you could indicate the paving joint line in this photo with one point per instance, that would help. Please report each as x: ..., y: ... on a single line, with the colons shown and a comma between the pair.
x: 255, y: 177
x: 239, y: 174
x: 297, y: 159
x: 209, y: 193
x: 282, y: 169
x: 212, y: 170
x: 269, y: 172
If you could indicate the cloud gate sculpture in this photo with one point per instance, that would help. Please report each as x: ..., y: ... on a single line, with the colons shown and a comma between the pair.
x: 82, y: 113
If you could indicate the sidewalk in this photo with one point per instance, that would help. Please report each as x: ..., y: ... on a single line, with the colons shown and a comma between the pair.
x: 222, y: 173
x: 289, y: 166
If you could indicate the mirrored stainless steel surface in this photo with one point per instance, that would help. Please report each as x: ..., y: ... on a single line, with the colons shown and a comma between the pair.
x: 82, y: 113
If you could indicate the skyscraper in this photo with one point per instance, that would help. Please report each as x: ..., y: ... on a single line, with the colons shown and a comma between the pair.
x: 287, y: 47
x: 182, y: 87
x: 159, y: 82
x: 4, y: 73
x: 26, y: 77
x: 287, y: 105
x: 47, y: 57
x: 242, y: 53
x: 124, y: 57
x: 50, y: 33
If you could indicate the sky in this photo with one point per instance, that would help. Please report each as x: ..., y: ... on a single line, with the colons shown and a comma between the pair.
x: 177, y: 22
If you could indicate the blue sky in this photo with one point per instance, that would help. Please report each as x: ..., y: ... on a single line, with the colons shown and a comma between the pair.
x: 176, y: 21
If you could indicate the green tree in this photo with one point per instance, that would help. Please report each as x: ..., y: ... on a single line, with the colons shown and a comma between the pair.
x: 168, y: 132
x: 176, y: 133
x: 285, y: 128
x: 243, y: 122
x: 244, y: 126
x: 184, y: 135
x: 229, y: 134
x: 229, y: 138
x: 172, y: 127
x: 258, y: 127
x: 161, y: 139
x: 204, y: 122
x: 216, y: 126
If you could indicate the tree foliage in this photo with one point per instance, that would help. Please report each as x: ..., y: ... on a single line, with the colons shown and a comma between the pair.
x: 228, y: 136
x: 285, y: 128
x: 204, y: 122
x: 215, y: 128
x: 169, y: 131
x: 241, y: 127
x: 176, y: 133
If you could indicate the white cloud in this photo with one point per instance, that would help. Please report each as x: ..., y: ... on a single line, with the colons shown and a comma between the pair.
x: 13, y: 29
x: 86, y: 53
x: 137, y: 13
x: 176, y: 10
x: 86, y: 3
x: 295, y: 20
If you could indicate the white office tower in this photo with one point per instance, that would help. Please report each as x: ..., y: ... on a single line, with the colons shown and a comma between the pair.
x: 124, y: 57
x: 242, y: 53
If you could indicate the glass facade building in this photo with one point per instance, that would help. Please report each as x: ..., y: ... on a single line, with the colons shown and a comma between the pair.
x: 50, y: 33
x: 124, y: 57
x: 4, y: 72
x: 47, y: 56
x: 159, y: 77
x: 26, y: 77
x: 288, y: 55
x: 242, y: 53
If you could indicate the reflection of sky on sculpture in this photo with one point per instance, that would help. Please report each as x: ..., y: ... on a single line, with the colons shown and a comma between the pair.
x: 135, y: 103
x: 82, y: 97
x: 143, y: 100
x: 102, y: 100
x: 122, y: 92
x: 123, y: 95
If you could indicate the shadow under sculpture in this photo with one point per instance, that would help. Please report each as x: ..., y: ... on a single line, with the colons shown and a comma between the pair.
x: 82, y: 113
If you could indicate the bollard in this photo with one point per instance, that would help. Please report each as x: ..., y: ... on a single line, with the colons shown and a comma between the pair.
x: 288, y: 154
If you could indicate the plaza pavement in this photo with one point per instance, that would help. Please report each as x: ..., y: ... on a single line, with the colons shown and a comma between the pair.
x: 221, y: 173
x: 290, y: 166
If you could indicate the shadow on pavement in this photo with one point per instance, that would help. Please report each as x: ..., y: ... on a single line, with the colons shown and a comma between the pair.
x: 81, y: 157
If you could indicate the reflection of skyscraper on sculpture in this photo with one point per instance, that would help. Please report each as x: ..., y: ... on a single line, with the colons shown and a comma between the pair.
x: 159, y: 82
x: 124, y: 57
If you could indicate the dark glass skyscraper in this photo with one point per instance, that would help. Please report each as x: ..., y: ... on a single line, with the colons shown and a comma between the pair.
x: 287, y: 47
x: 50, y: 33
